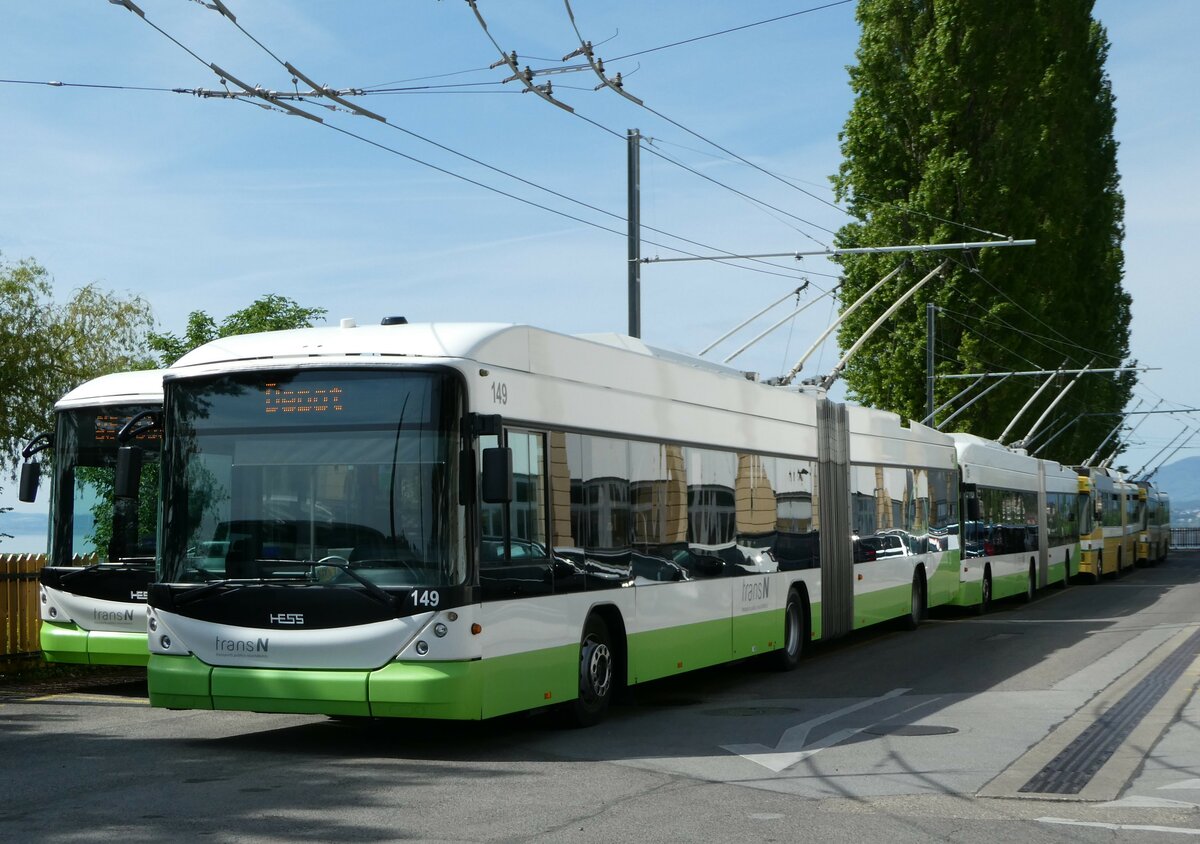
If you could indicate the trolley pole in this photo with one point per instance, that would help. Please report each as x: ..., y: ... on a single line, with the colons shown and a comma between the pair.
x: 930, y: 316
x: 635, y: 234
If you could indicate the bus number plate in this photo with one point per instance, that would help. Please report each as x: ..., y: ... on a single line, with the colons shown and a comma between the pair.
x: 426, y: 597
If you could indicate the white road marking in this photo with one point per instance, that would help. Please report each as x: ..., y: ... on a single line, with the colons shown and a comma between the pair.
x: 791, y: 747
x: 1178, y: 830
x: 1135, y: 801
x: 1194, y: 783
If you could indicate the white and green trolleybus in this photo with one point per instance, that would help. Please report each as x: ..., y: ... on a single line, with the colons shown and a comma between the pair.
x: 1020, y: 528
x: 463, y: 521
x: 96, y: 613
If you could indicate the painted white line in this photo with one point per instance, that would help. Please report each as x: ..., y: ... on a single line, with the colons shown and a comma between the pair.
x: 1135, y: 801
x: 1178, y: 830
x: 1195, y: 783
x: 792, y: 748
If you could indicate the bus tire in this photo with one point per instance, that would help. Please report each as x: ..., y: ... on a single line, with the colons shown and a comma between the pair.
x: 1099, y: 572
x: 1031, y: 584
x: 596, y: 675
x: 985, y: 594
x: 1066, y: 581
x: 916, y: 608
x: 794, y: 621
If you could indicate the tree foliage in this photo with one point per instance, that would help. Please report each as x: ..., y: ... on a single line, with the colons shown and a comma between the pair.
x: 1002, y: 121
x: 47, y: 348
x: 271, y: 312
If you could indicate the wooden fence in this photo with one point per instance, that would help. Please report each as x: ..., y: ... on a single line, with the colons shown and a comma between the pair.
x: 19, y: 602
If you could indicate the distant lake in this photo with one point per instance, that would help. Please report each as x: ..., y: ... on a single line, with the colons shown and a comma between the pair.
x: 29, y: 532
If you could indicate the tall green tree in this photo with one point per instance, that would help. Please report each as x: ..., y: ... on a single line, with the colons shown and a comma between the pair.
x: 271, y: 312
x: 1002, y: 120
x: 48, y: 347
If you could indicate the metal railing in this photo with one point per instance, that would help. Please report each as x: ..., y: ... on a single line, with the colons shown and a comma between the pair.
x: 1188, y: 537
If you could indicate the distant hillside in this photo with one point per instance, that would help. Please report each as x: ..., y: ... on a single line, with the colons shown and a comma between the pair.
x: 1181, y: 480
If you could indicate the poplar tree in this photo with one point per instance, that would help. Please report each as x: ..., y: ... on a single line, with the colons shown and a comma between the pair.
x: 972, y: 119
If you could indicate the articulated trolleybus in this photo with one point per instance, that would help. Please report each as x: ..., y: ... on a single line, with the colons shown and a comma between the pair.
x: 462, y: 521
x: 97, y: 613
x: 1020, y: 526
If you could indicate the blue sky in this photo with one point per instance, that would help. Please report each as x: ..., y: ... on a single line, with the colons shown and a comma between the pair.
x: 204, y: 203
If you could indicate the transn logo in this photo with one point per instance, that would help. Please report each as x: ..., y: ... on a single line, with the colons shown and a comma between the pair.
x: 292, y: 618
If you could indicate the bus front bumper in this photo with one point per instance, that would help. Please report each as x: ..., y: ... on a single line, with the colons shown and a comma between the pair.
x: 448, y: 690
x: 71, y: 643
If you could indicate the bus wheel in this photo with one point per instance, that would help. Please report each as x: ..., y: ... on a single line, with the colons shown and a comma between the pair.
x: 916, y: 610
x: 1031, y: 585
x: 1066, y: 581
x: 595, y: 674
x: 985, y: 595
x: 788, y: 657
x: 1099, y: 572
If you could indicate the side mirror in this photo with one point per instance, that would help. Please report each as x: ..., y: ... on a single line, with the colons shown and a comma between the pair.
x: 497, y: 475
x: 31, y: 474
x: 129, y: 472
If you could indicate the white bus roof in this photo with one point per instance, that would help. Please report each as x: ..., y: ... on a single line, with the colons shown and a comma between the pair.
x: 519, y: 347
x: 140, y: 387
x: 613, y: 361
x: 988, y: 463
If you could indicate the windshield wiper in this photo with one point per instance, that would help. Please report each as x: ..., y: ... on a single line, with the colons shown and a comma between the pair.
x: 373, y: 589
x: 207, y: 589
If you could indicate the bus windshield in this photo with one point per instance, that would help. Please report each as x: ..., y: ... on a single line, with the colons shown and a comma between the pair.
x: 85, y: 518
x: 328, y: 477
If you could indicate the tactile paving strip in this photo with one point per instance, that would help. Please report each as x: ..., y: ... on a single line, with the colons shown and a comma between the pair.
x: 1072, y: 769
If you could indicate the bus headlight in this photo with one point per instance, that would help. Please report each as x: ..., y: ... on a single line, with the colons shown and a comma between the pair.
x: 439, y: 630
x: 164, y: 642
x: 422, y: 648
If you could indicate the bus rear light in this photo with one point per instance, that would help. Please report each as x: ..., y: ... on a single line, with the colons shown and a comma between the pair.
x: 476, y: 629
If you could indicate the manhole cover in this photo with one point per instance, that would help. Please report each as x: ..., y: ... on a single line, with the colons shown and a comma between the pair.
x: 910, y: 730
x: 751, y: 711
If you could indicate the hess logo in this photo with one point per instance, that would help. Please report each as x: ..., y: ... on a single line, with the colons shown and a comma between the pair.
x: 291, y: 618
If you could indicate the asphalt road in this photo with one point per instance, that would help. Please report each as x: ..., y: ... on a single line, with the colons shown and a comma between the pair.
x: 888, y: 735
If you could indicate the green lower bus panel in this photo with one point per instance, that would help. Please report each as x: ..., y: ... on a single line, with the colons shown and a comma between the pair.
x: 179, y: 682
x: 117, y: 648
x: 527, y: 681
x: 883, y: 605
x: 665, y: 653
x: 63, y: 643
x: 326, y: 692
x: 757, y: 633
x: 1010, y: 584
x: 970, y: 594
x: 427, y: 690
